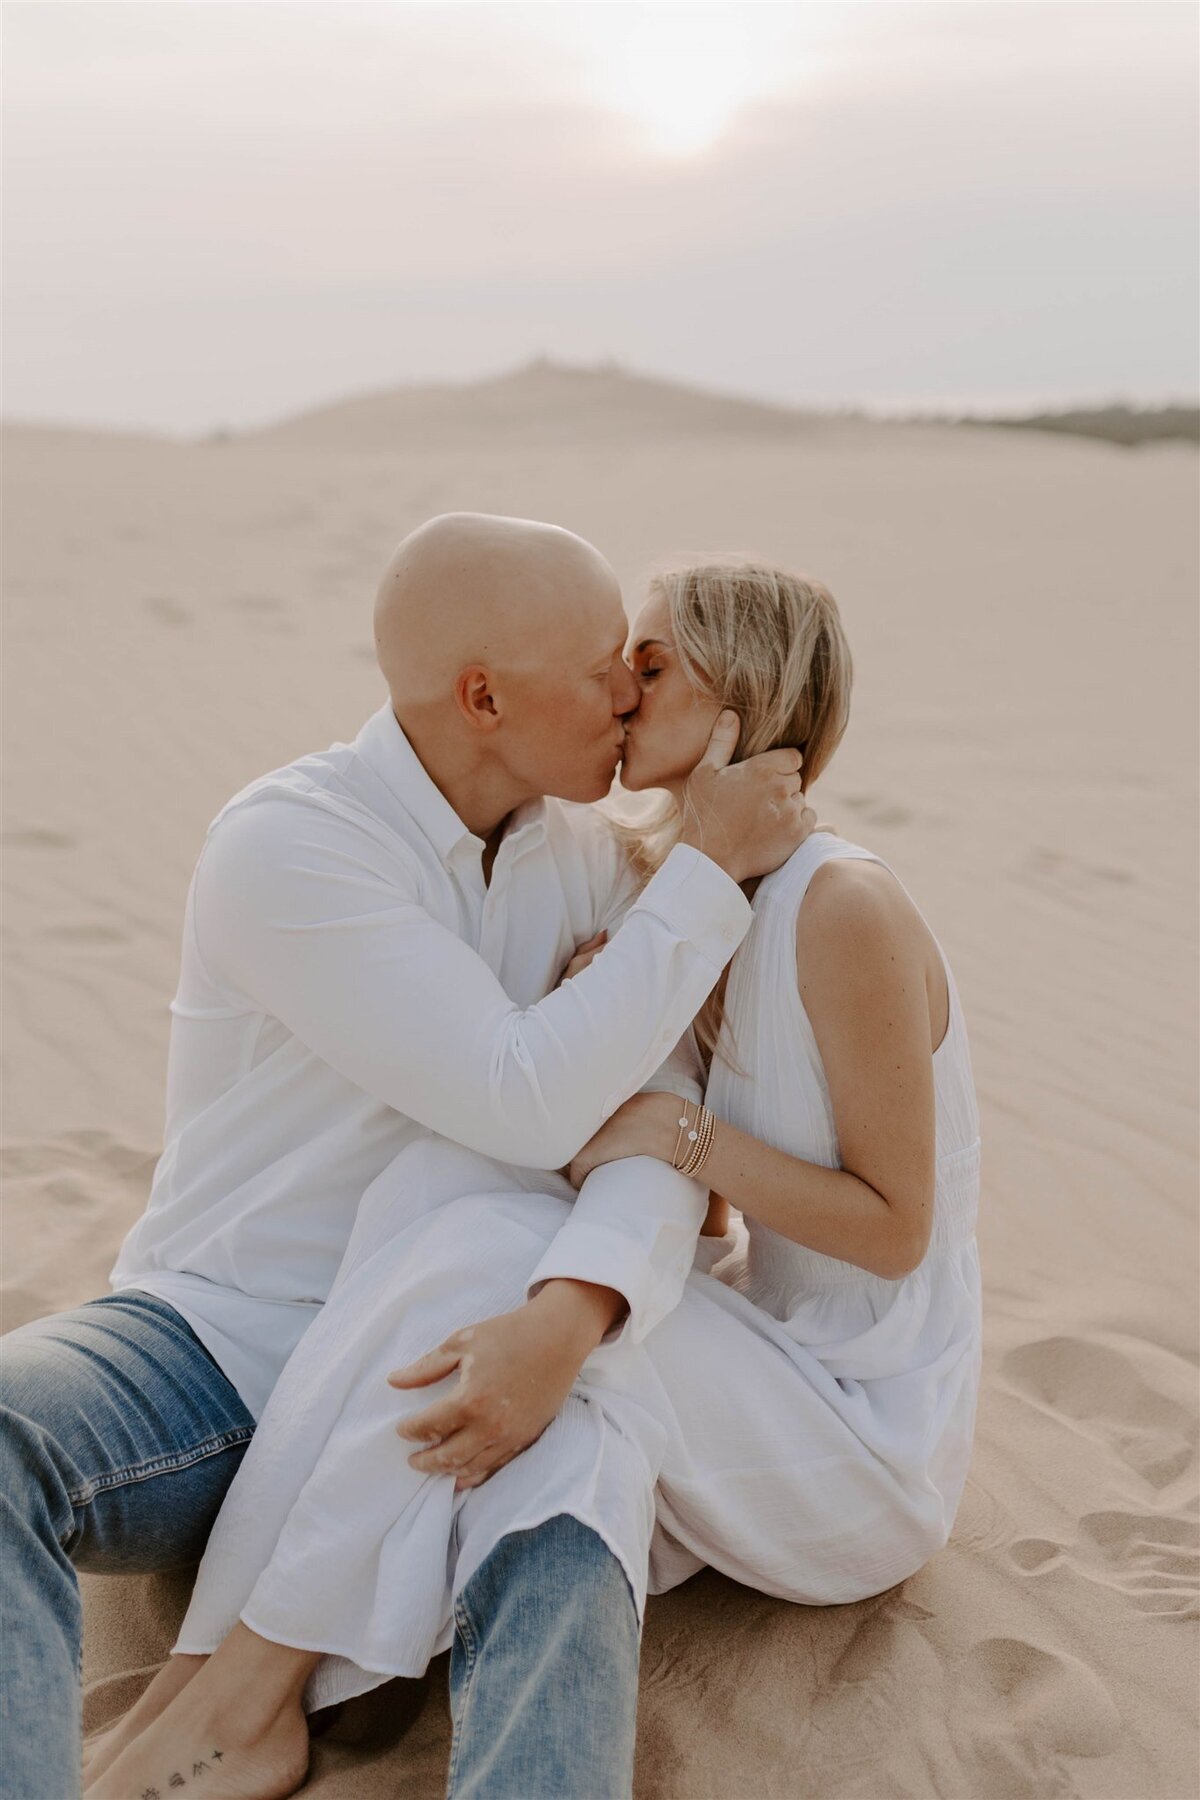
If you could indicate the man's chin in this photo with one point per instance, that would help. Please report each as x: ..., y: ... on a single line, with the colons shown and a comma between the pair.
x: 585, y: 793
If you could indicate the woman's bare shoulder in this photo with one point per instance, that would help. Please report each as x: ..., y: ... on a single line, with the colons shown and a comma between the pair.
x: 850, y: 898
x: 856, y: 919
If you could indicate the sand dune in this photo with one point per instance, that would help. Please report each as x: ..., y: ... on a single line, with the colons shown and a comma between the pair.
x: 181, y: 617
x: 541, y: 404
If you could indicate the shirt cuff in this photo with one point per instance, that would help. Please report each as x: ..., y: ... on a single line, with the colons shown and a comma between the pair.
x: 646, y: 1258
x: 700, y: 901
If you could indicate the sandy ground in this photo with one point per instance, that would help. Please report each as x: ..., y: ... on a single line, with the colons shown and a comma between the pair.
x: 181, y: 618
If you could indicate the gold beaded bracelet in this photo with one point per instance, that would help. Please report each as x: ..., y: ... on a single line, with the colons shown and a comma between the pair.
x: 700, y: 1137
x: 693, y: 1135
x: 705, y: 1144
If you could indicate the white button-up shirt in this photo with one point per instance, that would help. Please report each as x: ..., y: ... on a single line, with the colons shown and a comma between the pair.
x: 349, y: 983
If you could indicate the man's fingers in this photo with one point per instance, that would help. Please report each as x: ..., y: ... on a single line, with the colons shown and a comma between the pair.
x: 435, y: 1422
x: 722, y: 741
x: 427, y: 1369
x: 482, y: 1467
x: 786, y: 760
x: 449, y: 1456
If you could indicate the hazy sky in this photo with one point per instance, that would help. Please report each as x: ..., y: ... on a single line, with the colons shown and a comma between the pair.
x: 217, y: 213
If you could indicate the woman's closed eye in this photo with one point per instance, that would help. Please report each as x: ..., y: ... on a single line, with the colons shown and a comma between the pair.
x: 648, y: 674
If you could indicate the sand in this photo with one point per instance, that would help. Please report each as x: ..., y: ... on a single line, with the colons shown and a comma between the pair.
x: 180, y: 618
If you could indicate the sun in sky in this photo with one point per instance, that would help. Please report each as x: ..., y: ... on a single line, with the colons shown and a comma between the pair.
x: 681, y: 78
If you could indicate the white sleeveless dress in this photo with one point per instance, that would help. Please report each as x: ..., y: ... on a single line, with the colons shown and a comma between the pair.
x: 822, y: 1417
x: 808, y: 1424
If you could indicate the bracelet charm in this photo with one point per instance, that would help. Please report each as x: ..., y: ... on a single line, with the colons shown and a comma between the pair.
x: 699, y: 1137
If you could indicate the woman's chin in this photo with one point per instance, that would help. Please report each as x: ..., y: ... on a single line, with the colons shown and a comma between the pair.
x: 633, y: 780
x: 641, y: 779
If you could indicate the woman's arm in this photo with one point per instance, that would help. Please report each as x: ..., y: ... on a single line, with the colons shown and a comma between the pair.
x: 866, y: 958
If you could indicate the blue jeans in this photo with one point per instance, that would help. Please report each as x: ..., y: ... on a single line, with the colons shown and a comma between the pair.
x: 119, y: 1436
x: 543, y: 1672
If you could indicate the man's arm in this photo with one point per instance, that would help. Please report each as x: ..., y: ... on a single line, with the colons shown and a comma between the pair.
x: 315, y: 920
x: 634, y: 1225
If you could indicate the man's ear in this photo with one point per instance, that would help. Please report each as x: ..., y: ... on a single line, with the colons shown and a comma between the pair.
x: 474, y: 698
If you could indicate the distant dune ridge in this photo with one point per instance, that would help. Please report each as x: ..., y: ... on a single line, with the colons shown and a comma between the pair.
x: 547, y: 402
x: 543, y: 403
x: 180, y: 617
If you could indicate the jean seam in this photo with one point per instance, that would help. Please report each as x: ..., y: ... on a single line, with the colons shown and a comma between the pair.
x: 160, y: 1465
x: 462, y: 1619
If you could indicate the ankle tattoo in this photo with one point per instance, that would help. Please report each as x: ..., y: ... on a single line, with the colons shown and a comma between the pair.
x: 178, y: 1779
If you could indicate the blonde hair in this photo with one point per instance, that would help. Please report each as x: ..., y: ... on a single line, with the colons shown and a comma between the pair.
x: 770, y: 644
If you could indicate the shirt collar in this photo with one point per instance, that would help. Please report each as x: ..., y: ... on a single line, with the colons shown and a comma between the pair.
x: 384, y: 747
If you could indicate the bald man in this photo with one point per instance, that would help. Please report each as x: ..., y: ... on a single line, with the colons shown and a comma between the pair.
x: 372, y: 942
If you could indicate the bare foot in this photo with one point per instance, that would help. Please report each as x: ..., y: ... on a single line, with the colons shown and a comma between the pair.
x: 235, y: 1731
x: 184, y: 1748
x: 101, y: 1750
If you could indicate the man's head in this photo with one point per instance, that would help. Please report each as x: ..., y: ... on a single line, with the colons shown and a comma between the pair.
x: 500, y: 641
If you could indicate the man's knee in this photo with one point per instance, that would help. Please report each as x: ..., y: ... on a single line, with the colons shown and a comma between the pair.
x: 34, y: 1493
x: 564, y: 1575
x: 39, y: 1418
x: 546, y: 1652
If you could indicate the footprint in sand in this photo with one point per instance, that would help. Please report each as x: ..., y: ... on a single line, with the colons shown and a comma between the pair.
x: 877, y: 812
x: 1070, y: 873
x: 1102, y: 1392
x: 167, y: 610
x: 1018, y: 1710
x: 1153, y: 1560
x: 38, y: 837
x: 113, y: 1153
x: 256, y: 603
x: 265, y: 612
x: 87, y: 934
x: 82, y: 1149
x: 982, y: 1521
x: 63, y: 1197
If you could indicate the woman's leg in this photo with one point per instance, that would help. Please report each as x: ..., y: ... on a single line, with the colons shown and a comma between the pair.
x: 239, y: 1724
x: 328, y: 1524
x: 102, y: 1749
x: 771, y: 1471
x: 368, y: 1555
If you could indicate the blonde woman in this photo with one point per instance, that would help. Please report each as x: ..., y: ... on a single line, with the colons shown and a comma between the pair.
x: 822, y: 1411
x: 802, y: 1420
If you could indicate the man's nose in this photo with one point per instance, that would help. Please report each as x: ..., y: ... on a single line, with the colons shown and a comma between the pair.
x: 626, y: 693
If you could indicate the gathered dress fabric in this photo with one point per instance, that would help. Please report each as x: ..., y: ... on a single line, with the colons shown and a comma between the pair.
x: 796, y: 1422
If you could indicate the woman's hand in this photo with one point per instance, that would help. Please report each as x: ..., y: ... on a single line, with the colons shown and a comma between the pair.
x: 583, y: 956
x: 646, y: 1125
